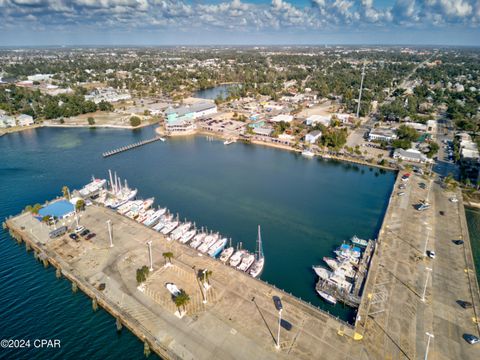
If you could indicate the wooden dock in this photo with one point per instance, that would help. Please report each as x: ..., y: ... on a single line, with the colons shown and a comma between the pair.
x: 363, y: 268
x: 131, y: 146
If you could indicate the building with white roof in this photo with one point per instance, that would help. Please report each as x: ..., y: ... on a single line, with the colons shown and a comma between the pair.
x: 381, y: 134
x: 24, y: 120
x: 411, y: 155
x: 313, y: 136
x: 282, y: 117
x: 319, y: 119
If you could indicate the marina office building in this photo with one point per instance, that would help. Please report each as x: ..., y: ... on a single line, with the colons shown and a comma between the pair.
x: 182, y: 119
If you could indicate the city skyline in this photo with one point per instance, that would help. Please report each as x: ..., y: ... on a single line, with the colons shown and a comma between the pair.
x: 253, y: 22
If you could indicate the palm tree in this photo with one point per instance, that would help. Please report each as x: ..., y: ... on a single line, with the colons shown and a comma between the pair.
x: 207, y: 275
x: 167, y: 256
x: 181, y: 300
x: 66, y: 192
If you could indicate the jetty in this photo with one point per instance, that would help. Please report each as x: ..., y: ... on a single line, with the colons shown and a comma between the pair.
x: 131, y: 146
x: 363, y: 268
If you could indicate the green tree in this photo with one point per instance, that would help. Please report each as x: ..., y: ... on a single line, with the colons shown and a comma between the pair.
x: 142, y: 274
x: 181, y: 300
x: 91, y: 121
x: 135, y: 121
x: 66, y: 192
x: 167, y: 256
x: 80, y: 205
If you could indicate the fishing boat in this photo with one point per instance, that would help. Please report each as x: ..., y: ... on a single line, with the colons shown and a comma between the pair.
x: 119, y: 194
x: 144, y: 215
x: 164, y: 220
x: 187, y: 236
x: 357, y: 241
x: 308, y: 153
x: 208, y: 242
x: 198, y: 240
x: 226, y: 254
x: 259, y: 263
x: 237, y: 258
x: 331, y: 262
x: 247, y: 261
x: 182, y: 229
x: 327, y: 297
x: 347, y: 251
x: 169, y: 227
x: 217, y: 248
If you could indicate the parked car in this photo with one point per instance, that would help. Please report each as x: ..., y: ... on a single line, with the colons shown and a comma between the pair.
x: 422, y: 185
x: 471, y: 339
x: 431, y: 254
x: 465, y: 304
x: 79, y: 229
x: 89, y: 236
x: 85, y: 232
x: 458, y: 242
x: 73, y: 236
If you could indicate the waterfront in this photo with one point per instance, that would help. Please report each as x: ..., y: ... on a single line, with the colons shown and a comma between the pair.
x: 302, y: 216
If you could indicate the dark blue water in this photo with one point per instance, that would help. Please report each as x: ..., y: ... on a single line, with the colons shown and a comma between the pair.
x: 214, y: 92
x: 306, y: 208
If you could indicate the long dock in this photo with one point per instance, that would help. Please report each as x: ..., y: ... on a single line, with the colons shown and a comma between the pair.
x: 234, y: 319
x: 131, y: 146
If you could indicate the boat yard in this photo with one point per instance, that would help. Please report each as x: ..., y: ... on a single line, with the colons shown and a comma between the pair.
x: 236, y: 317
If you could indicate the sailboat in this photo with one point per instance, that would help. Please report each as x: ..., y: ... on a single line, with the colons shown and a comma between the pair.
x: 257, y: 266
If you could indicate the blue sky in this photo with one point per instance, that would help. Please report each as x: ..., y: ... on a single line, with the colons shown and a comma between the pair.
x: 204, y: 22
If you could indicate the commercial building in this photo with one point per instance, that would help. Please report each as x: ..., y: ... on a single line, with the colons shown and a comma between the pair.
x: 191, y: 112
x: 381, y: 135
x: 411, y: 155
x: 319, y: 119
x: 263, y: 131
x: 107, y: 94
x: 24, y: 120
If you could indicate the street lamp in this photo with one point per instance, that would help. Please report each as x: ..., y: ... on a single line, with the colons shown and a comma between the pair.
x: 430, y: 336
x: 426, y: 243
x: 109, y: 225
x: 149, y: 244
x: 426, y: 282
x: 279, y: 306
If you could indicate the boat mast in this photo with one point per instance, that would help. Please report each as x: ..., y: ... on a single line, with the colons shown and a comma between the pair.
x: 111, y: 180
x: 259, y: 245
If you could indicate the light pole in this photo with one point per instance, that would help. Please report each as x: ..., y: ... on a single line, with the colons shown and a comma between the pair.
x: 426, y: 244
x: 109, y: 225
x: 279, y: 324
x: 205, y: 288
x: 149, y: 243
x: 426, y: 282
x: 430, y: 336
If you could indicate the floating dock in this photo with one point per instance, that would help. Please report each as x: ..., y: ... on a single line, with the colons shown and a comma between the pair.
x: 131, y: 146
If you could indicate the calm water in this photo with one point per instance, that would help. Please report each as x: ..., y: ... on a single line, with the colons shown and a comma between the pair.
x: 306, y: 208
x: 473, y: 221
x: 213, y: 93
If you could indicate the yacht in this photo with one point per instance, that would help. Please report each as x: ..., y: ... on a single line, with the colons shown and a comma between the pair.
x: 229, y: 141
x: 327, y: 297
x: 92, y: 188
x: 322, y: 273
x: 155, y: 217
x: 182, y: 229
x: 197, y: 240
x: 247, y: 261
x: 208, y: 242
x: 237, y: 257
x: 169, y: 227
x: 259, y: 263
x: 217, y: 248
x: 357, y: 241
x: 226, y: 254
x: 187, y: 236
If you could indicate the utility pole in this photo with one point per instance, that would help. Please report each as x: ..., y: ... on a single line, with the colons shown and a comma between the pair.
x: 361, y: 88
x: 109, y: 225
x: 426, y: 244
x: 430, y: 336
x: 149, y: 244
x: 425, y: 287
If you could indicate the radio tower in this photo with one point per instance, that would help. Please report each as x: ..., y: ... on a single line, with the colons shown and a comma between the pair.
x: 361, y: 87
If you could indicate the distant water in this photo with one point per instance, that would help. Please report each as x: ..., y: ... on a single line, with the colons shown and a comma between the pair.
x: 214, y: 92
x: 306, y: 207
x: 473, y: 221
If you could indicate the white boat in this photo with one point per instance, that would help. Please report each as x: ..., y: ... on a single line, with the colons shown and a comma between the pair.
x: 164, y: 220
x: 92, y: 187
x: 331, y: 262
x: 357, y: 241
x: 327, y: 297
x: 173, y: 289
x: 226, y: 254
x: 187, y: 236
x: 217, y: 248
x: 197, y: 240
x: 229, y: 141
x: 208, y: 242
x: 180, y: 230
x: 119, y: 194
x: 169, y: 227
x: 247, y: 261
x: 144, y: 215
x: 343, y: 267
x: 322, y: 273
x: 162, y: 139
x: 125, y: 208
x: 155, y: 217
x: 237, y: 258
x: 259, y: 263
x: 308, y: 153
x: 340, y: 282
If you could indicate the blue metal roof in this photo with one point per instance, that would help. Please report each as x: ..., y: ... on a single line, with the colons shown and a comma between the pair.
x: 58, y: 209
